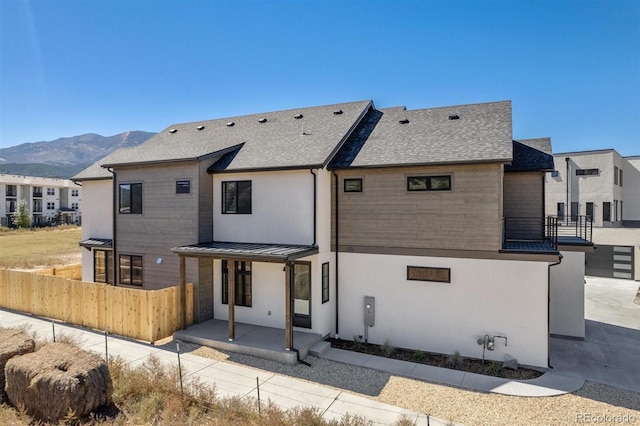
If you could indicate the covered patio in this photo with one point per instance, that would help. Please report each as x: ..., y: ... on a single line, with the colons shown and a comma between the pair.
x: 266, y: 342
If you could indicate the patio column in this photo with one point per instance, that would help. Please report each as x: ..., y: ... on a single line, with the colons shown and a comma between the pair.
x: 183, y: 290
x: 231, y: 298
x: 288, y: 326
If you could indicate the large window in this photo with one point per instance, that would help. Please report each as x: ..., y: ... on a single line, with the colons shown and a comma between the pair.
x: 103, y: 266
x: 429, y: 183
x: 325, y: 282
x: 606, y: 211
x: 131, y: 198
x: 236, y: 197
x: 130, y: 271
x: 589, y: 210
x: 242, y: 276
x: 12, y: 190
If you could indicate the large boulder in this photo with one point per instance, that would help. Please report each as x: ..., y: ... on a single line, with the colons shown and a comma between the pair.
x: 12, y: 343
x: 56, y: 380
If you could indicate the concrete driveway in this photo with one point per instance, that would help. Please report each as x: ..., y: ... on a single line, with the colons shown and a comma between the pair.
x: 610, y: 352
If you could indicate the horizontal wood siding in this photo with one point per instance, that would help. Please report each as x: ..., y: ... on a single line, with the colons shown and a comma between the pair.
x: 205, y: 204
x: 385, y: 214
x: 524, y: 205
x: 167, y: 220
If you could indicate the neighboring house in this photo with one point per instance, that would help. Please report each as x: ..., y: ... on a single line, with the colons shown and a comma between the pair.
x: 603, y: 188
x: 45, y: 198
x: 422, y: 228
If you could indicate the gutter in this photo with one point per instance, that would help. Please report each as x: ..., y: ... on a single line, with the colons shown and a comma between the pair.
x: 315, y: 206
x: 337, y: 253
x: 114, y: 217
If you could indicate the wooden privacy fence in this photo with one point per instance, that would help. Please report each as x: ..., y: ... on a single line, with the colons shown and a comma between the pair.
x: 148, y: 315
x: 73, y: 272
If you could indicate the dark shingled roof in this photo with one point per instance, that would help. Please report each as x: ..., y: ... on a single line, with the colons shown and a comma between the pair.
x: 482, y: 133
x: 96, y: 171
x: 531, y: 155
x: 282, y: 141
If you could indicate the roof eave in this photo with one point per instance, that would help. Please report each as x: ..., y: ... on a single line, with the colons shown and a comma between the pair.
x: 438, y: 163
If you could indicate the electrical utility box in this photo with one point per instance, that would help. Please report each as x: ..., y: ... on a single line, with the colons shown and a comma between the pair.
x: 369, y: 311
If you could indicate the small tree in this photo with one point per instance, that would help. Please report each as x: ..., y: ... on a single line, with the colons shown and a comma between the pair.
x: 58, y: 218
x: 22, y: 218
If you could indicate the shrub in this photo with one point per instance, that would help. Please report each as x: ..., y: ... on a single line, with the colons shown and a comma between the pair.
x: 456, y: 360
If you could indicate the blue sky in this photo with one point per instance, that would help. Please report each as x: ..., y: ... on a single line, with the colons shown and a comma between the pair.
x: 571, y: 68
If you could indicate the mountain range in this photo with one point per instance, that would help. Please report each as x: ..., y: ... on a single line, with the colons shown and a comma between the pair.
x: 64, y: 157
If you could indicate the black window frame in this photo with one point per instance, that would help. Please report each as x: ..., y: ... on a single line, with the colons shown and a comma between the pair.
x: 183, y: 186
x: 587, y: 172
x: 325, y: 282
x: 606, y: 211
x: 242, y: 197
x: 428, y: 183
x: 108, y: 266
x: 133, y: 195
x: 436, y: 275
x: 123, y: 275
x: 243, y: 282
x: 589, y: 209
x: 347, y: 181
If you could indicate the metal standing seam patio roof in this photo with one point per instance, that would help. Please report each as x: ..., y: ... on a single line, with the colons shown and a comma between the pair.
x: 280, y: 253
x: 97, y: 243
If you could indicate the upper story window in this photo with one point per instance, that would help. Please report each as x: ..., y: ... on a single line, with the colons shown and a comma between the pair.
x: 37, y: 191
x: 236, y: 197
x: 51, y: 206
x: 74, y: 206
x: 615, y: 175
x: 51, y: 191
x: 130, y: 198
x: 74, y: 192
x: 183, y: 187
x: 620, y: 177
x: 587, y: 172
x: 353, y: 185
x: 429, y: 183
x: 12, y: 190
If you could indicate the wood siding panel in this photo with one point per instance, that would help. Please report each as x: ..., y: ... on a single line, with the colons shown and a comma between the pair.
x: 385, y: 214
x: 524, y: 205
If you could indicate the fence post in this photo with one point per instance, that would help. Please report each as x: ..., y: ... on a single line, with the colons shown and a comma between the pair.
x: 53, y: 327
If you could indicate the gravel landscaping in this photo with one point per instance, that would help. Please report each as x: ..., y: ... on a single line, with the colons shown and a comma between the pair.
x: 594, y: 403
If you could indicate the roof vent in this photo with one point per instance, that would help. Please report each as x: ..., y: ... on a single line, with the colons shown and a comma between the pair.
x: 262, y: 120
x: 200, y: 128
x: 404, y: 121
x: 298, y: 117
x: 454, y: 117
x: 338, y: 112
x: 231, y: 124
x: 173, y: 130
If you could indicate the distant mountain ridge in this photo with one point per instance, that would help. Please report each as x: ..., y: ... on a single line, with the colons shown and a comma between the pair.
x: 64, y: 157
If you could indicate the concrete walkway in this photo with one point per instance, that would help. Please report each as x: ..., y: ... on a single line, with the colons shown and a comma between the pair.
x: 230, y: 379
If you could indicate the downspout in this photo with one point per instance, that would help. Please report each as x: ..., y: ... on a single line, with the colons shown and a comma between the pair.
x: 549, y: 309
x: 288, y: 264
x: 113, y: 238
x: 337, y: 251
x: 566, y: 213
x: 315, y: 206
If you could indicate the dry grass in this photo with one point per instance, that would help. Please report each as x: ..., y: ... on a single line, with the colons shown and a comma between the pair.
x: 29, y: 249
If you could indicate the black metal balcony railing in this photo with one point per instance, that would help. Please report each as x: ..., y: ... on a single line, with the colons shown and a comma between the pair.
x: 37, y: 195
x: 576, y: 226
x: 12, y: 193
x: 530, y: 234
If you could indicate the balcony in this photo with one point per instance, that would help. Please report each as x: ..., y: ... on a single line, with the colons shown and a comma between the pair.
x: 543, y: 235
x: 530, y: 235
x: 37, y: 194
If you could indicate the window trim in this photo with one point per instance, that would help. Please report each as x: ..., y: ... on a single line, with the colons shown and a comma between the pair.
x: 352, y: 180
x: 434, y: 270
x: 181, y: 184
x: 131, y: 198
x: 237, y: 194
x: 325, y: 282
x: 428, y: 183
x: 121, y: 275
x: 108, y: 269
x: 587, y: 172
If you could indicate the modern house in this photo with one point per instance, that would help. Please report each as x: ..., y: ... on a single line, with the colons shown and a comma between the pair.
x: 603, y: 188
x: 423, y: 228
x: 45, y: 198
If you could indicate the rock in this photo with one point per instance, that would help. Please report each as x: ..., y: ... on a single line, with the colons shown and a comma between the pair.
x: 510, y: 362
x: 57, y: 379
x: 12, y: 343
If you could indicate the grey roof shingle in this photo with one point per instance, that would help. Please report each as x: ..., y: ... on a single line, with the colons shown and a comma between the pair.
x: 530, y: 155
x: 280, y: 142
x: 96, y: 171
x: 481, y: 134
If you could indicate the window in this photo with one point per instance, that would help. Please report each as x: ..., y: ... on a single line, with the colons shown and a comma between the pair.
x: 51, y: 191
x: 615, y: 175
x: 560, y: 211
x: 554, y: 173
x: 242, y: 277
x: 131, y: 198
x: 429, y: 183
x: 74, y: 192
x: 302, y: 294
x: 589, y: 211
x: 103, y: 266
x: 236, y: 197
x: 587, y: 172
x: 51, y: 206
x: 325, y: 282
x: 74, y: 206
x: 606, y: 211
x: 183, y: 187
x: 37, y: 191
x: 620, y: 177
x: 353, y: 185
x: 10, y: 206
x: 12, y: 190
x: 419, y: 273
x: 615, y: 210
x: 574, y: 210
x: 130, y: 271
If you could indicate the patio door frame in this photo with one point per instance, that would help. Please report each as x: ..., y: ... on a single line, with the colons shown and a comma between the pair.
x: 300, y: 319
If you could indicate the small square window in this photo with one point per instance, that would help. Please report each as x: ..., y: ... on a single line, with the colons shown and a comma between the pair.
x: 353, y: 185
x: 554, y: 173
x: 183, y: 187
x: 429, y: 183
